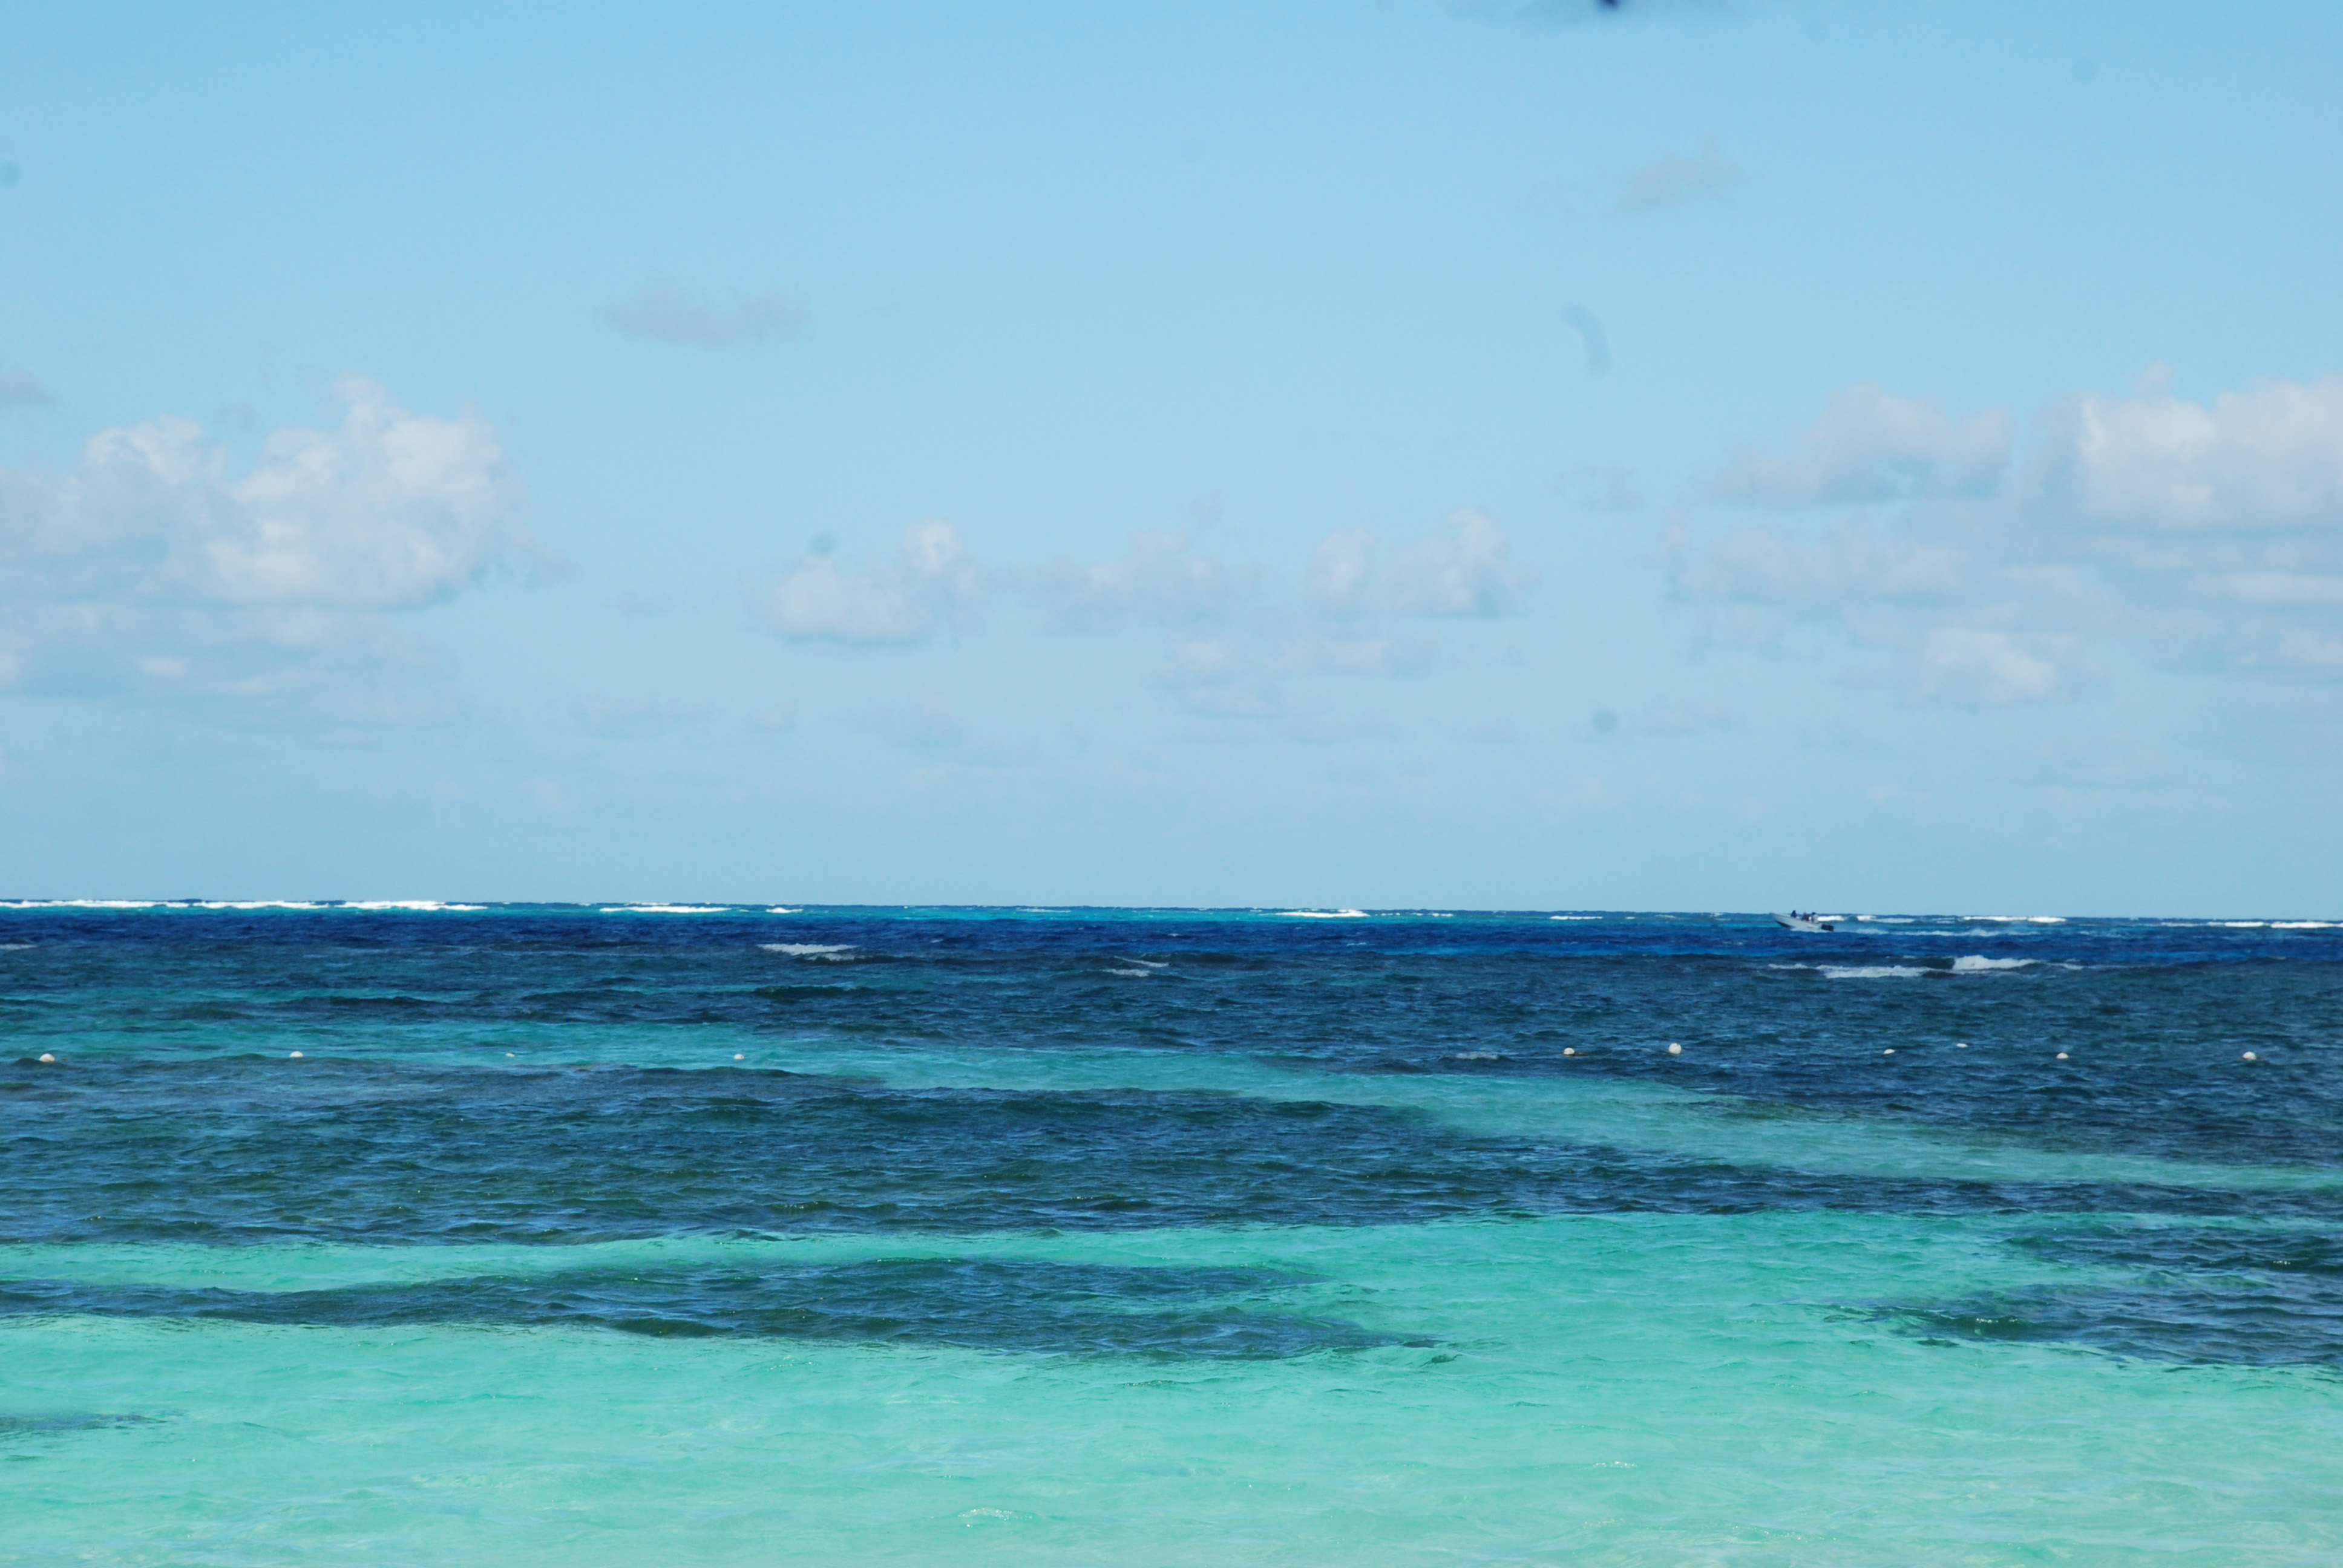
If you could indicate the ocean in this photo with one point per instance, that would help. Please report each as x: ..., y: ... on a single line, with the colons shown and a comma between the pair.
x: 519, y: 1234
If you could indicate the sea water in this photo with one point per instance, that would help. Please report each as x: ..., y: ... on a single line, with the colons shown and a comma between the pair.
x: 394, y: 1234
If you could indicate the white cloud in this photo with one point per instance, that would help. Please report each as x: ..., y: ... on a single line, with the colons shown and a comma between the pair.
x: 2206, y: 534
x: 669, y: 313
x: 930, y: 585
x: 1462, y: 571
x: 1872, y: 445
x: 150, y: 565
x: 1667, y: 181
x: 1971, y: 666
x: 1231, y: 656
x: 1160, y: 583
x: 2267, y: 457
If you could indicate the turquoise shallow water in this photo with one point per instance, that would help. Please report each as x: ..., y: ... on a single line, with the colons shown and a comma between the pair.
x: 1305, y: 1243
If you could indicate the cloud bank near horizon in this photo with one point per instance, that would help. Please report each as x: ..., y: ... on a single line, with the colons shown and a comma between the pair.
x: 2209, y: 534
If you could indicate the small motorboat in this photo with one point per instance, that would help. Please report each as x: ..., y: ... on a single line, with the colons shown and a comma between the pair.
x: 1803, y: 923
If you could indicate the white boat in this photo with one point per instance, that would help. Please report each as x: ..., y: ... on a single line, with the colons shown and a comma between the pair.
x: 1802, y: 924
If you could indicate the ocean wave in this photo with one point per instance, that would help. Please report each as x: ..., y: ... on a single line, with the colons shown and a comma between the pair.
x: 808, y: 949
x: 256, y: 904
x: 2018, y: 920
x: 1141, y: 974
x: 666, y: 910
x: 416, y: 904
x: 1870, y: 971
x: 777, y: 910
x: 82, y: 904
x: 1325, y: 914
x: 1971, y: 964
x: 1573, y: 917
x: 2304, y: 925
x: 16, y: 947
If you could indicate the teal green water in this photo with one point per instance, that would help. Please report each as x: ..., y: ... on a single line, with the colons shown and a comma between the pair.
x: 1614, y: 1389
x: 1485, y: 1309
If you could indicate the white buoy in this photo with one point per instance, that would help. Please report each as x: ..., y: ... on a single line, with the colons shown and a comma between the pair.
x: 1570, y: 1051
x: 2062, y: 1056
x: 47, y: 1058
x: 509, y: 1057
x: 738, y: 1057
x: 1889, y: 1051
x: 2249, y: 1056
x: 1960, y: 1045
x: 1674, y: 1049
x: 295, y: 1057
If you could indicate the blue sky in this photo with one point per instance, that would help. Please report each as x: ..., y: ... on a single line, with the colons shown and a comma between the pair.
x: 1495, y: 455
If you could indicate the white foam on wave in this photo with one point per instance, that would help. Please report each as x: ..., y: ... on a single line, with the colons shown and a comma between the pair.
x: 1890, y: 919
x: 1325, y: 914
x: 1150, y: 964
x: 2304, y: 925
x: 1573, y: 917
x: 16, y: 947
x: 1871, y: 971
x: 668, y: 909
x: 1971, y: 964
x: 416, y: 904
x: 1141, y: 974
x: 82, y: 904
x: 777, y: 910
x: 257, y: 904
x: 808, y: 949
x: 2243, y: 925
x: 2018, y: 920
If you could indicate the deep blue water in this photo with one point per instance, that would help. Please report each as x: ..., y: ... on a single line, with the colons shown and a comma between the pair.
x: 501, y: 1108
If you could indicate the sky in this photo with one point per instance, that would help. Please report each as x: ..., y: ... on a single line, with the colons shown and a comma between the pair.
x: 1488, y: 454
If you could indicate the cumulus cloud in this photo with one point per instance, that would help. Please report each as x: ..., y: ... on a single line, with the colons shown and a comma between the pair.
x: 2208, y: 534
x: 669, y: 313
x: 22, y: 387
x: 2269, y: 458
x: 1673, y: 180
x: 931, y: 585
x: 1973, y: 667
x: 1161, y: 582
x: 1462, y: 571
x: 1872, y: 445
x: 151, y: 565
x: 1234, y: 655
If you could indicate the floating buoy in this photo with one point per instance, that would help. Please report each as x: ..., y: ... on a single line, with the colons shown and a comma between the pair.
x: 738, y: 1057
x: 2249, y: 1056
x: 47, y: 1058
x: 295, y: 1057
x: 1889, y: 1051
x: 1674, y: 1049
x: 2062, y: 1056
x: 1570, y: 1051
x: 1960, y: 1045
x: 509, y: 1057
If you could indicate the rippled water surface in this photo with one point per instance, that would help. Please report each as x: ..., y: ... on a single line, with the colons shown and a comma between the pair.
x: 619, y: 1234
